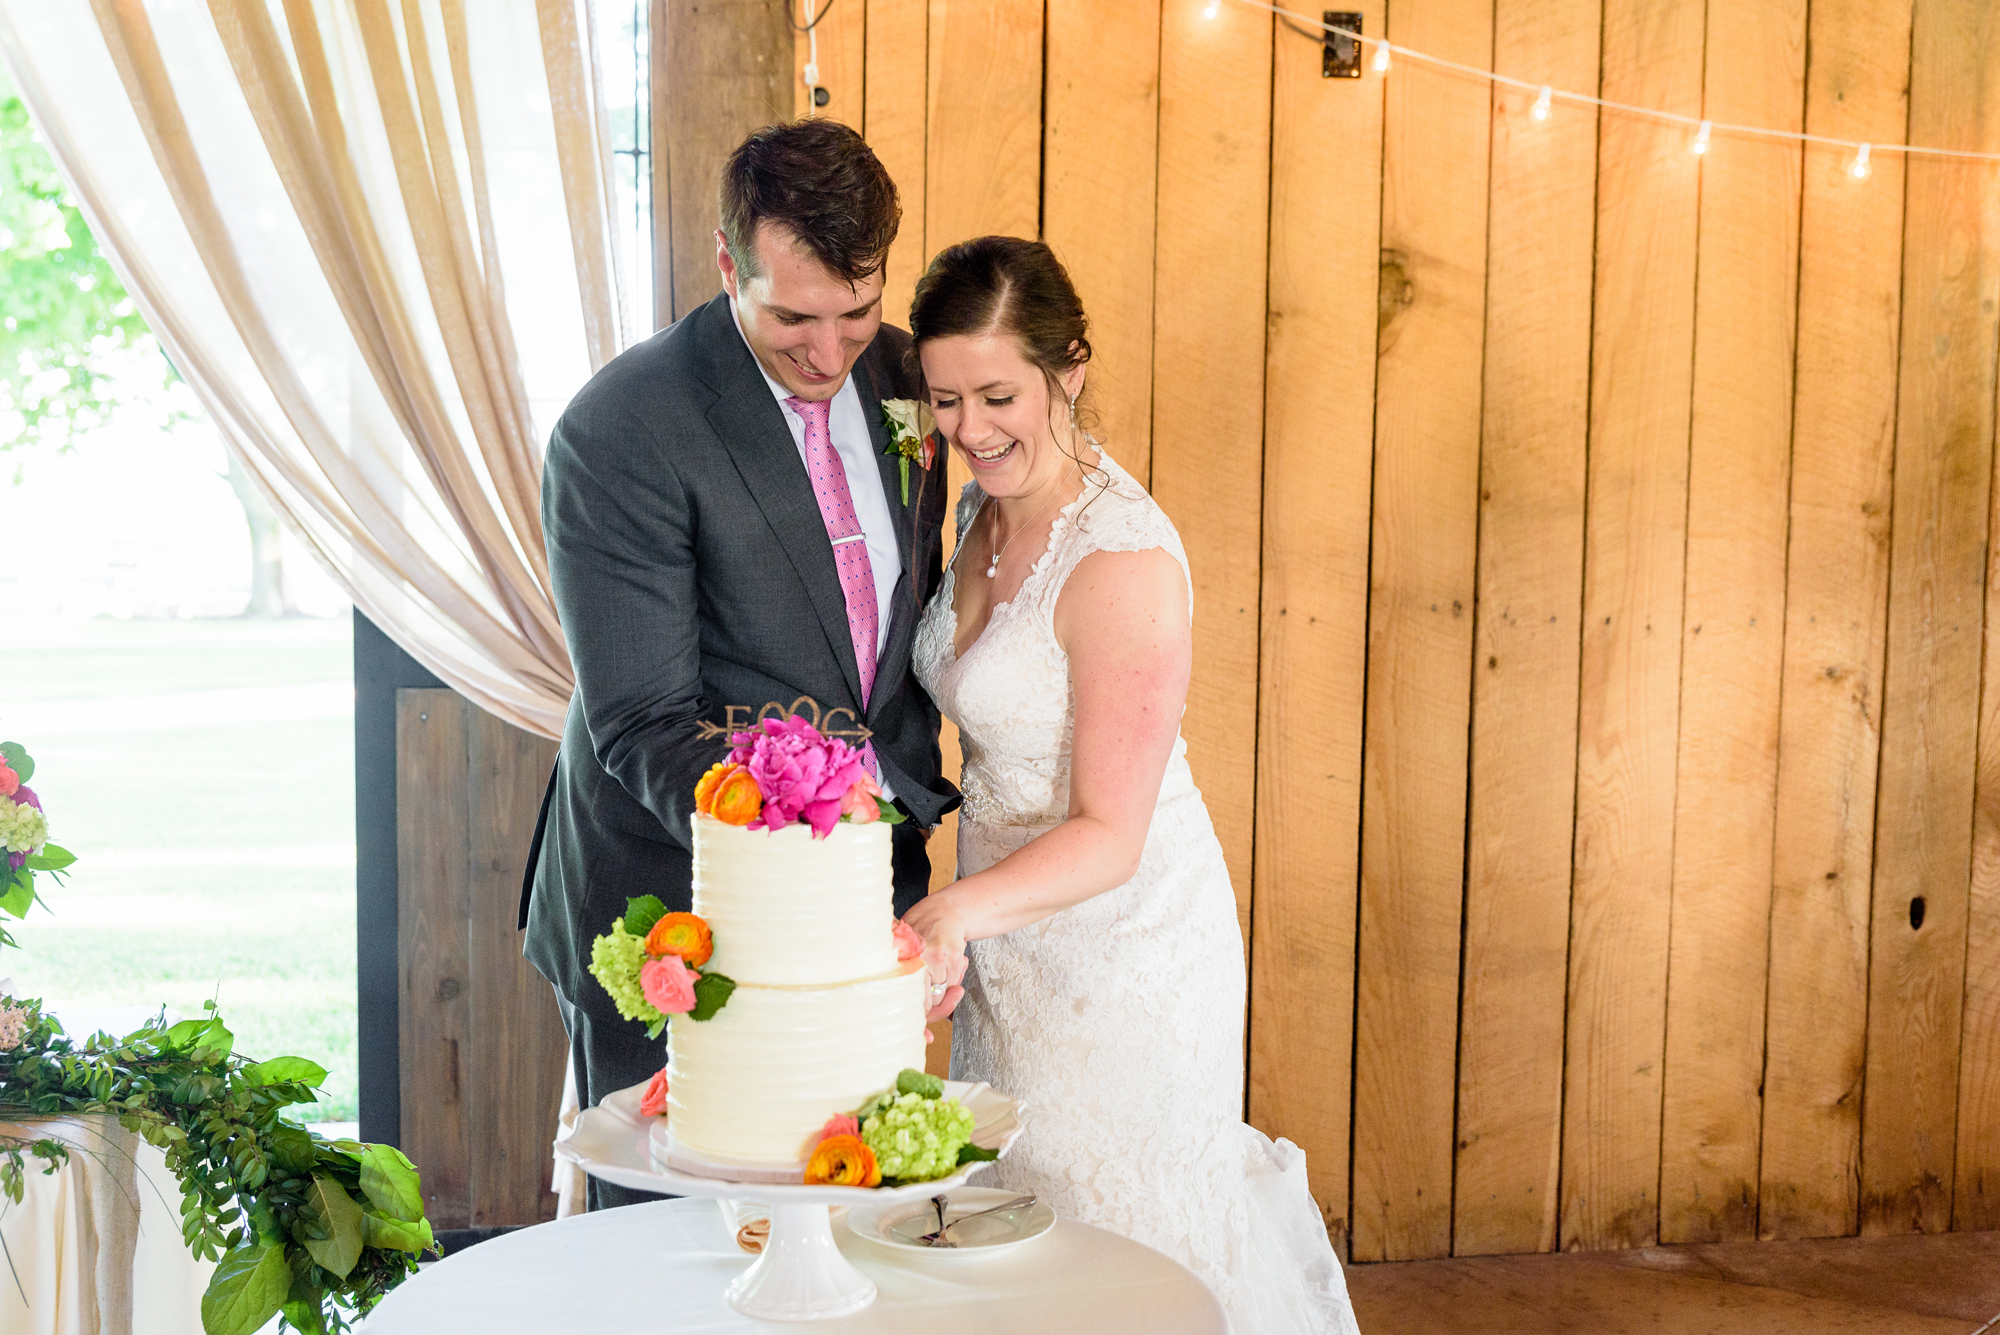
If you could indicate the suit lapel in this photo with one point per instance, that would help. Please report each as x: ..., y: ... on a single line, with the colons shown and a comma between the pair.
x: 752, y: 428
x: 867, y: 384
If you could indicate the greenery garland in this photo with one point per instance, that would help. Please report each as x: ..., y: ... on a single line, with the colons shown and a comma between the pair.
x: 302, y: 1227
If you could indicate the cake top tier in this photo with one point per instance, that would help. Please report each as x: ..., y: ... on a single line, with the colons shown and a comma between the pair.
x: 789, y: 909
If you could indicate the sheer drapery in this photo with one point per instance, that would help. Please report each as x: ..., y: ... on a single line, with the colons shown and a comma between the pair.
x: 375, y: 237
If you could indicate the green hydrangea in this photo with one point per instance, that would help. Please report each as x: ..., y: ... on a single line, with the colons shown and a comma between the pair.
x: 916, y: 1139
x: 615, y: 961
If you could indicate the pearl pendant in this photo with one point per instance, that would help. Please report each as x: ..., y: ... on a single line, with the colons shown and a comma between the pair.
x: 993, y: 571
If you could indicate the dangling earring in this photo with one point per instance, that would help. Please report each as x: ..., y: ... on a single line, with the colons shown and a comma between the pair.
x: 1072, y: 412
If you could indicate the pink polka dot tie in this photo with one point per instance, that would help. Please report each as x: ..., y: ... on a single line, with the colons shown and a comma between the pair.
x: 850, y: 544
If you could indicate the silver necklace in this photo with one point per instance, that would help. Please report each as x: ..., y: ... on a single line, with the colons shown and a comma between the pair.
x: 993, y: 569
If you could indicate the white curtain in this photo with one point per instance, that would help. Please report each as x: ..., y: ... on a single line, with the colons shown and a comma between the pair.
x: 375, y: 237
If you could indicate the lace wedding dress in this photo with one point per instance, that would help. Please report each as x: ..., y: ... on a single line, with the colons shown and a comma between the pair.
x: 1120, y: 1020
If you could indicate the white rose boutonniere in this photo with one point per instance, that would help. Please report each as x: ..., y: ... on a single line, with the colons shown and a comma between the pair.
x: 912, y: 436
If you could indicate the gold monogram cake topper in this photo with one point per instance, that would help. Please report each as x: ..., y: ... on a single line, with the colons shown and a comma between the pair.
x: 737, y: 718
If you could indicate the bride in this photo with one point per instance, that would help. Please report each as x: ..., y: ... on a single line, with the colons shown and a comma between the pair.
x: 1105, y: 984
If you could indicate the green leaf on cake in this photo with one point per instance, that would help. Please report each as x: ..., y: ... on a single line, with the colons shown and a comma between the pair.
x: 20, y: 894
x: 17, y: 760
x: 53, y: 857
x: 970, y: 1153
x: 642, y: 913
x: 890, y: 816
x: 711, y: 994
x: 912, y: 1081
x: 656, y: 1028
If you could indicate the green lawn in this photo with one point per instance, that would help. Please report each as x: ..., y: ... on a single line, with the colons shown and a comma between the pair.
x: 203, y: 773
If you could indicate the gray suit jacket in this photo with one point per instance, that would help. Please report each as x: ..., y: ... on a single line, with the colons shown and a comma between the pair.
x: 693, y: 573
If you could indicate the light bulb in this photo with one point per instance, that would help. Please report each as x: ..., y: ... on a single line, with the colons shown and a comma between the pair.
x: 1701, y: 139
x: 1541, y: 112
x: 1860, y: 169
x: 1213, y: 8
x: 811, y: 73
x: 1381, y: 57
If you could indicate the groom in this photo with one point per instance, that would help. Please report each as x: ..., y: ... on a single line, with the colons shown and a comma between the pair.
x: 726, y: 529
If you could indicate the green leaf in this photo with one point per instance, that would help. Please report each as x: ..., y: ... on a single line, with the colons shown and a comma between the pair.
x: 16, y: 756
x: 286, y: 1071
x: 711, y: 994
x: 391, y: 1183
x: 250, y: 1284
x: 912, y: 1081
x: 53, y: 857
x: 342, y: 1247
x: 970, y: 1153
x: 306, y: 1313
x: 890, y: 816
x: 292, y: 1148
x: 656, y: 1028
x: 20, y: 893
x: 642, y: 913
x: 395, y: 1234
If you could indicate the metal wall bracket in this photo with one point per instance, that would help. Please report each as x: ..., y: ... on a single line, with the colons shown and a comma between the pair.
x: 1341, y: 54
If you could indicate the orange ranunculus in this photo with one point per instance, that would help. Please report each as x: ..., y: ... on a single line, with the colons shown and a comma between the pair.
x: 842, y: 1161
x: 681, y: 934
x: 704, y: 792
x: 738, y: 800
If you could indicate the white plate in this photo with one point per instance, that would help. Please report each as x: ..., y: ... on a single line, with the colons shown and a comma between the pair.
x: 614, y: 1142
x: 900, y: 1223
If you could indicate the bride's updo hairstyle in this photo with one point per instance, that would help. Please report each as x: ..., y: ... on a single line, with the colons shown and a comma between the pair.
x: 1004, y: 285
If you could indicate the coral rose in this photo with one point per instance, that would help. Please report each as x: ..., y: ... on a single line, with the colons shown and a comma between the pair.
x: 654, y: 1101
x: 9, y: 780
x: 842, y: 1161
x: 737, y: 800
x: 669, y: 985
x: 704, y: 791
x: 908, y: 944
x: 843, y: 1124
x: 858, y: 804
x: 681, y: 934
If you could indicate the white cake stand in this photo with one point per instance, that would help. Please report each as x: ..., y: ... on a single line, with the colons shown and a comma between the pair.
x: 801, y: 1275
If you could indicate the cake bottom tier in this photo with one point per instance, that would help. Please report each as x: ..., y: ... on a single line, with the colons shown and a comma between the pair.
x: 755, y: 1084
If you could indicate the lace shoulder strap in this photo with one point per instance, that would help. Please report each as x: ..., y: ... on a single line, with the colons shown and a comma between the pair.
x: 969, y: 497
x: 1113, y: 515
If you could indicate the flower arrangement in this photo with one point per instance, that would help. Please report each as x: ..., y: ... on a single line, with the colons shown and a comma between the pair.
x: 912, y: 437
x: 911, y: 1133
x: 24, y: 837
x: 783, y: 772
x: 650, y: 962
x: 311, y: 1230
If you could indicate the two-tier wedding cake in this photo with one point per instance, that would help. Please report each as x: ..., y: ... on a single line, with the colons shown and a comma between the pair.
x: 824, y: 1014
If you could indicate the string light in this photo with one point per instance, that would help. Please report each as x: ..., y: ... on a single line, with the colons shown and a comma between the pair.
x: 1213, y: 8
x: 1701, y: 138
x: 1859, y: 167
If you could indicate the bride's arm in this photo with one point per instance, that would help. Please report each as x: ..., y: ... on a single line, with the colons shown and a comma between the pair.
x: 1123, y: 619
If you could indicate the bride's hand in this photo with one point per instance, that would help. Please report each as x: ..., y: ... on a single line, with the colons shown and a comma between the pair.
x: 944, y: 952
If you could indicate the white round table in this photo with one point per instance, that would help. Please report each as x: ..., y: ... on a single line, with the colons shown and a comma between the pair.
x: 661, y: 1268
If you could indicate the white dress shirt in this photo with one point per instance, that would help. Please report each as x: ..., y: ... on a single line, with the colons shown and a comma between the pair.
x: 849, y: 428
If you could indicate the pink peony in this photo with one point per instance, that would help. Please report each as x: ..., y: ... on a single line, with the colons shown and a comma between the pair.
x: 803, y: 776
x: 859, y: 805
x: 843, y: 1124
x: 908, y: 944
x: 654, y: 1101
x: 9, y: 780
x: 669, y: 984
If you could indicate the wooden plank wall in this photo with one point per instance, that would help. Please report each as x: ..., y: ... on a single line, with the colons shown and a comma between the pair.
x: 483, y: 1050
x: 1597, y: 612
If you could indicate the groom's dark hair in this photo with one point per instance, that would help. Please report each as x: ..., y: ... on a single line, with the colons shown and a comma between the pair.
x: 820, y: 181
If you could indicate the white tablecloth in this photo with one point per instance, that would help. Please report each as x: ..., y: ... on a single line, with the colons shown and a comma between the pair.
x: 662, y: 1267
x: 68, y: 1241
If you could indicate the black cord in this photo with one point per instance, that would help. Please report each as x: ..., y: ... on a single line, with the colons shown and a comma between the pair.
x: 796, y: 27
